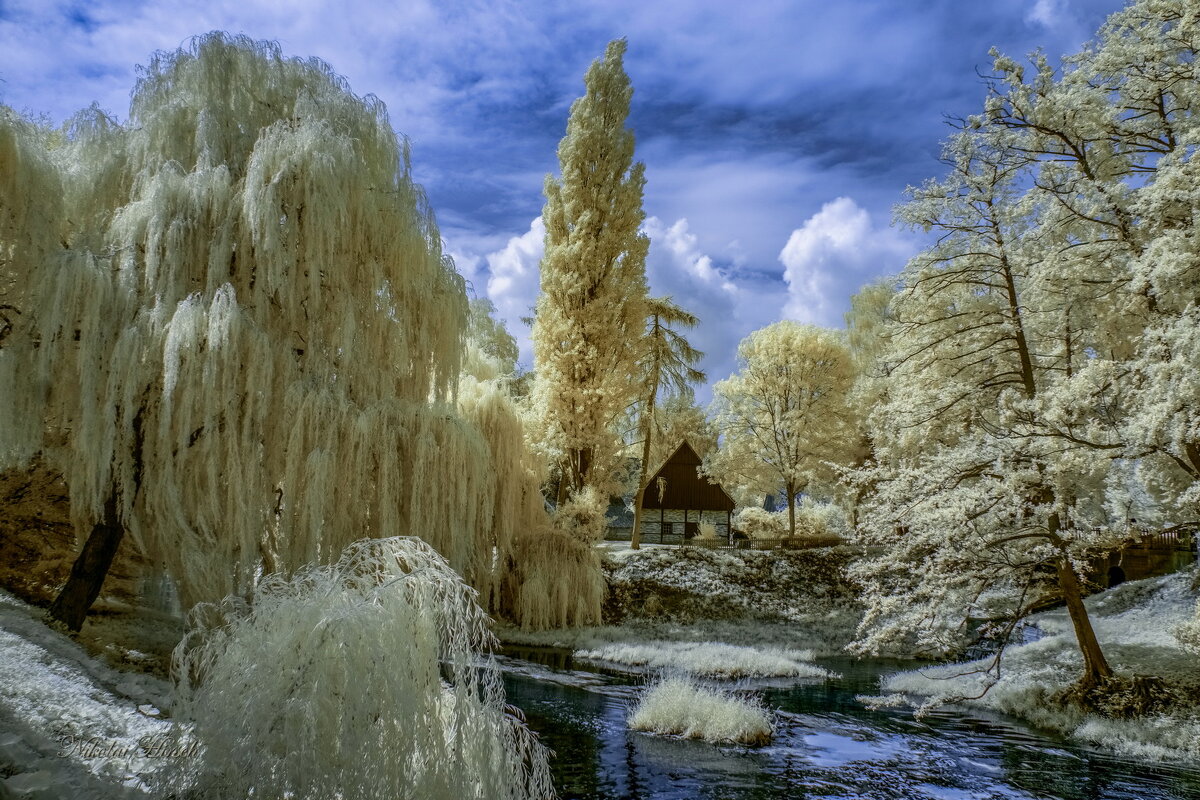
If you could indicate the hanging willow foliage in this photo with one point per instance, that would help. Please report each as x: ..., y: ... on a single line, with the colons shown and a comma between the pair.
x: 249, y: 337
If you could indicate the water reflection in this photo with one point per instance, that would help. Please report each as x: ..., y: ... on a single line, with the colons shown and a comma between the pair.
x: 827, y: 746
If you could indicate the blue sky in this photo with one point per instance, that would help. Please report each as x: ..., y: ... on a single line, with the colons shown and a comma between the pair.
x: 777, y: 136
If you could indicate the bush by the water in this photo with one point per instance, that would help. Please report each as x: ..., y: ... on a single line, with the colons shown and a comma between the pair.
x: 363, y: 679
x: 679, y: 707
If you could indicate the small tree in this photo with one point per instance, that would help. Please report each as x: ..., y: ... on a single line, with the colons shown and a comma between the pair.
x: 593, y: 286
x: 666, y: 367
x: 784, y: 417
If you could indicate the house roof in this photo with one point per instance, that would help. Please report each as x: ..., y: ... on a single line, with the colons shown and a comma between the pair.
x: 685, y: 487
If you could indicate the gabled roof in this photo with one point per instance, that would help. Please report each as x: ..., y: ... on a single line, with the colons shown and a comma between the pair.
x: 685, y: 487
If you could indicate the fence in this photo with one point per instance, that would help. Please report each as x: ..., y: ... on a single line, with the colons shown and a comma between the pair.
x: 722, y: 542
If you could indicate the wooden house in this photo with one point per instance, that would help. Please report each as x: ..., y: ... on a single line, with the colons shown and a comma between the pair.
x: 683, y: 499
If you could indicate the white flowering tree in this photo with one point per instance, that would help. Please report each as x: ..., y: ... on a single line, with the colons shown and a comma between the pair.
x: 1114, y: 136
x: 591, y: 310
x: 972, y: 493
x: 784, y: 417
x: 1045, y: 343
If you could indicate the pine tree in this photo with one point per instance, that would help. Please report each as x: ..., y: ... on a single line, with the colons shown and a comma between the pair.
x: 666, y: 366
x: 591, y: 310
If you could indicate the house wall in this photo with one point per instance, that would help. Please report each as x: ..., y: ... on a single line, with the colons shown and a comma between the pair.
x: 651, y: 526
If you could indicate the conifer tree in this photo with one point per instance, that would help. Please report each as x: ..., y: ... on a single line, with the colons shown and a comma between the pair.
x: 666, y: 366
x: 591, y: 310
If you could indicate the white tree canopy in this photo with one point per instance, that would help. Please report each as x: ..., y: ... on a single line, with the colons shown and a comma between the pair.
x: 784, y: 417
x: 593, y: 284
x: 249, y: 344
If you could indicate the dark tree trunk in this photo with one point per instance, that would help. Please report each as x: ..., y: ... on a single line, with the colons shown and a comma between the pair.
x: 88, y: 572
x: 791, y: 492
x: 1095, y: 666
x: 635, y: 539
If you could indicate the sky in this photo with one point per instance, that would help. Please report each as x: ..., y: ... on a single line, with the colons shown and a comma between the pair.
x: 777, y: 136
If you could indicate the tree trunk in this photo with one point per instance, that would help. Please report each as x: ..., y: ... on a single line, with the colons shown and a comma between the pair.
x: 635, y: 539
x: 1095, y: 665
x: 791, y: 490
x: 88, y: 572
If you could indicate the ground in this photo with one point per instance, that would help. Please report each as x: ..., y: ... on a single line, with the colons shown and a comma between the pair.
x: 73, y: 726
x: 717, y: 613
x: 1135, y: 623
x: 38, y: 542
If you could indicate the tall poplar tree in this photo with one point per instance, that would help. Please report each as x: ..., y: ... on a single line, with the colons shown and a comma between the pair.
x: 591, y: 309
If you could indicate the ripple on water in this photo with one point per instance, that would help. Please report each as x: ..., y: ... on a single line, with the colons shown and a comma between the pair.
x: 827, y: 746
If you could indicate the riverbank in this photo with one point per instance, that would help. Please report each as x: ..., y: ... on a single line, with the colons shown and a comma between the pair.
x: 1135, y: 624
x: 716, y: 613
x: 71, y: 725
x: 722, y: 614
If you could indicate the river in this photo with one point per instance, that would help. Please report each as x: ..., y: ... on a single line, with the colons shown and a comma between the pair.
x: 827, y: 745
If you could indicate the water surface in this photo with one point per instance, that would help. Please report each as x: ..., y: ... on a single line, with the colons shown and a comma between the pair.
x: 827, y: 745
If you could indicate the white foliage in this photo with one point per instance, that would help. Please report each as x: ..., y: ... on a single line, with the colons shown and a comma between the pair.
x: 362, y: 679
x: 555, y: 581
x: 758, y: 523
x: 593, y: 283
x: 785, y: 415
x: 1040, y: 358
x: 708, y: 659
x: 249, y: 336
x: 680, y: 707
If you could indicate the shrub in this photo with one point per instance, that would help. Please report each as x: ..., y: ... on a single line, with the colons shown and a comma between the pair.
x: 363, y: 679
x: 677, y: 706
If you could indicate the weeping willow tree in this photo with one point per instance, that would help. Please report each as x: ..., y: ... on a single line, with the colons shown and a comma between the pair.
x: 430, y: 722
x: 242, y: 338
x: 539, y: 576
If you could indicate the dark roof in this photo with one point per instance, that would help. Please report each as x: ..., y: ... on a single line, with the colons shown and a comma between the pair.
x: 686, y: 488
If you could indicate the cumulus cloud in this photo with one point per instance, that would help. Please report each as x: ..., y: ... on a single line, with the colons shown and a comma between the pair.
x: 729, y: 300
x: 831, y: 255
x: 1048, y: 13
x: 511, y: 281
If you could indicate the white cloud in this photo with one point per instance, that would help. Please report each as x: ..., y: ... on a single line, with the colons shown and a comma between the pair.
x: 1048, y: 13
x: 729, y: 301
x: 681, y: 247
x: 831, y: 255
x: 513, y: 282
